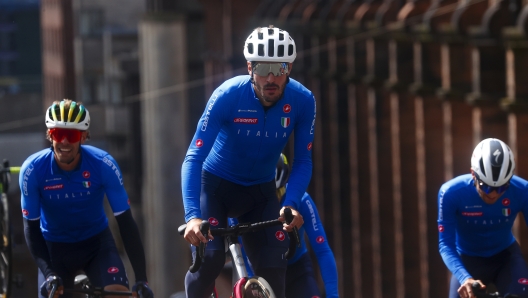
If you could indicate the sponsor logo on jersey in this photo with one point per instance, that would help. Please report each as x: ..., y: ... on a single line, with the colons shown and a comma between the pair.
x: 86, y: 174
x: 309, y: 147
x: 319, y: 239
x: 312, y: 215
x: 208, y: 112
x: 114, y: 168
x: 213, y: 221
x: 506, y: 211
x: 250, y: 111
x: 53, y: 179
x: 86, y: 184
x: 285, y: 121
x: 523, y: 281
x: 440, y: 228
x: 286, y: 108
x: 113, y: 270
x: 506, y: 202
x: 472, y: 213
x: 25, y: 212
x: 280, y: 235
x: 27, y: 173
x: 246, y: 120
x: 53, y: 187
x: 198, y: 143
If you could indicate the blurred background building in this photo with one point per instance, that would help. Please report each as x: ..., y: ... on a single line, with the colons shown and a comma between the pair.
x: 405, y: 90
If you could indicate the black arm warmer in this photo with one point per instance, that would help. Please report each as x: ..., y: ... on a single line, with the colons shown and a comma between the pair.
x: 132, y: 242
x: 37, y: 246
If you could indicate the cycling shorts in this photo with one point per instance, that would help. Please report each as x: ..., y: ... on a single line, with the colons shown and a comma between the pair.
x: 506, y: 270
x: 97, y: 257
x: 300, y: 279
x: 221, y: 199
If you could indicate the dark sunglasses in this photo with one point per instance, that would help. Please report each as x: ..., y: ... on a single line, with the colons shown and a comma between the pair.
x: 59, y: 134
x: 264, y: 69
x: 489, y: 189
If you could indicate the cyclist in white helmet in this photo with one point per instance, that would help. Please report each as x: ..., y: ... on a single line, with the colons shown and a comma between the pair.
x: 230, y: 164
x: 476, y: 212
x: 63, y: 189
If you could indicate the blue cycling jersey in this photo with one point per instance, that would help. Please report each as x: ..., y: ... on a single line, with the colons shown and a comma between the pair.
x: 70, y: 203
x: 239, y: 140
x: 469, y: 226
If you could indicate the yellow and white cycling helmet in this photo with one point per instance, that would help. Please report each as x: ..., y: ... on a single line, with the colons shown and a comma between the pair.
x: 67, y: 114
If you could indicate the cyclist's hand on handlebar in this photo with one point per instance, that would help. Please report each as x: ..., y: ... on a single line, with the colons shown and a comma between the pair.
x: 142, y: 290
x: 466, y: 289
x: 296, y: 222
x: 193, y: 234
x: 47, y: 285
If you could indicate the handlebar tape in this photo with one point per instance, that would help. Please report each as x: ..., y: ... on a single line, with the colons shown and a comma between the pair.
x: 294, y: 235
x: 200, y: 250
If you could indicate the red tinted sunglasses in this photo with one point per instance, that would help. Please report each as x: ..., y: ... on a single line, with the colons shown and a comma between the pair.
x: 59, y: 134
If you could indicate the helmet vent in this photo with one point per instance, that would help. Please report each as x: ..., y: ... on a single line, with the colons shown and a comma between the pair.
x: 261, y: 50
x: 260, y: 35
x: 281, y: 36
x: 290, y: 50
x: 270, y: 31
x: 495, y: 173
x: 509, y: 169
x: 280, y: 51
x: 271, y: 47
x: 250, y: 48
x: 481, y: 163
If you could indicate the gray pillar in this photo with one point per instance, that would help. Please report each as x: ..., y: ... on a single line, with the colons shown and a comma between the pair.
x: 163, y: 62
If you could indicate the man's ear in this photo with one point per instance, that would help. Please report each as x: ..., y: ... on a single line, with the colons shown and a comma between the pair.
x: 249, y: 68
x: 84, y: 135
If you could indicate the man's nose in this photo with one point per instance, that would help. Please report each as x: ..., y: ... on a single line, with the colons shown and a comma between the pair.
x: 271, y: 77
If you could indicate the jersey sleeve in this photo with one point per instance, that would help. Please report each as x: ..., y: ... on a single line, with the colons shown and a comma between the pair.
x: 302, y: 162
x: 319, y: 243
x: 113, y: 185
x: 30, y: 195
x: 207, y: 130
x: 447, y: 234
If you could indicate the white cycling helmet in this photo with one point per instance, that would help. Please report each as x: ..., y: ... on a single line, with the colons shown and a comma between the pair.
x: 269, y: 45
x: 67, y: 114
x: 493, y: 162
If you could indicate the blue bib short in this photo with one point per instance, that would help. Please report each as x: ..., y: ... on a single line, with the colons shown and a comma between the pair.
x: 96, y: 256
x: 507, y: 270
x: 221, y: 199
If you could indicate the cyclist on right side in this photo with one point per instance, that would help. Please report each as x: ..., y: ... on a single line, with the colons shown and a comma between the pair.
x: 300, y: 278
x: 476, y: 212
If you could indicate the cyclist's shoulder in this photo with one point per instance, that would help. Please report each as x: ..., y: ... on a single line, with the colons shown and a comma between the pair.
x: 518, y: 182
x: 39, y: 158
x: 94, y: 152
x: 298, y: 90
x: 95, y: 156
x: 457, y: 183
x: 234, y: 85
